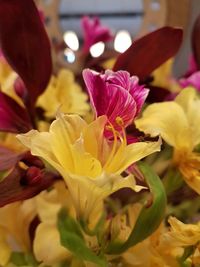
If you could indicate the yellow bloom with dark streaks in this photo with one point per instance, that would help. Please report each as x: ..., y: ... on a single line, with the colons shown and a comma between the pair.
x: 178, y: 123
x: 90, y: 164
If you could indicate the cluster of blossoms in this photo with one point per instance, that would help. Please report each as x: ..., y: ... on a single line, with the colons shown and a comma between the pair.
x: 103, y: 169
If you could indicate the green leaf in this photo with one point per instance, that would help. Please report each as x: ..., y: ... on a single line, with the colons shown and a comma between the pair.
x: 18, y: 258
x: 71, y: 238
x: 188, y: 251
x: 173, y: 180
x: 149, y: 218
x: 23, y: 259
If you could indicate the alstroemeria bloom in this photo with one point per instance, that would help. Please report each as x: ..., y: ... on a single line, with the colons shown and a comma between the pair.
x: 116, y: 95
x: 94, y: 32
x: 178, y: 123
x: 182, y: 235
x: 65, y: 94
x: 90, y: 164
x: 193, y: 80
x: 14, y: 229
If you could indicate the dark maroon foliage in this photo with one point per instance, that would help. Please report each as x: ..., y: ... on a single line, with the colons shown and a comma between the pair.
x: 16, y: 185
x: 149, y: 52
x: 13, y: 117
x: 25, y: 44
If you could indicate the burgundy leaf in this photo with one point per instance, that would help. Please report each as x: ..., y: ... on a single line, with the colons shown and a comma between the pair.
x: 13, y: 117
x: 157, y: 94
x: 150, y: 51
x: 196, y: 41
x: 8, y: 158
x: 12, y: 188
x: 25, y: 44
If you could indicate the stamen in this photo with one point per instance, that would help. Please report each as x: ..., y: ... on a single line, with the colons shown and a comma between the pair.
x: 111, y: 128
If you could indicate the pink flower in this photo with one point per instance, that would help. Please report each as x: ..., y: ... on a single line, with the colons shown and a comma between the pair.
x: 116, y: 95
x: 192, y: 80
x: 94, y: 32
x: 192, y: 66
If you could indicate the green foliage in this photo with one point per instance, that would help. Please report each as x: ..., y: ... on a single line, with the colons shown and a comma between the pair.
x: 23, y: 260
x: 150, y: 217
x: 72, y: 238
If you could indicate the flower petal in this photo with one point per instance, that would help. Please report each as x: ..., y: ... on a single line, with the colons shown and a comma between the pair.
x: 190, y: 102
x: 167, y: 119
x: 125, y: 156
x: 47, y: 247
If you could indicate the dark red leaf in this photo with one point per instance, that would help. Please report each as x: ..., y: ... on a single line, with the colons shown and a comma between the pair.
x: 13, y: 189
x: 8, y: 158
x: 150, y: 51
x: 196, y: 41
x: 157, y: 94
x: 13, y: 117
x: 25, y: 44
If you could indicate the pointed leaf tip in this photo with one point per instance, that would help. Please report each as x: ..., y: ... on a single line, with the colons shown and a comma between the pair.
x: 150, y: 51
x: 25, y: 44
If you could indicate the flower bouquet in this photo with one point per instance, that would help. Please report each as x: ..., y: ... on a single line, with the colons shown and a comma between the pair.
x: 103, y: 168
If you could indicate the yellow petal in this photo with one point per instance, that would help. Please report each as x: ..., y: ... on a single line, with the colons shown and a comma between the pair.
x: 5, y: 250
x: 127, y: 155
x: 63, y: 134
x: 64, y: 93
x: 47, y: 247
x: 190, y: 102
x: 163, y: 74
x: 40, y: 145
x: 169, y: 120
x: 182, y: 234
x: 16, y: 219
x: 189, y: 165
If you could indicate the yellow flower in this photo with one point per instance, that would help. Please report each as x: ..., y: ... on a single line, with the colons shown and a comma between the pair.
x: 65, y: 94
x: 90, y: 165
x: 151, y: 252
x: 7, y: 79
x: 178, y: 124
x: 163, y: 77
x: 14, y: 228
x: 48, y: 204
x: 182, y: 235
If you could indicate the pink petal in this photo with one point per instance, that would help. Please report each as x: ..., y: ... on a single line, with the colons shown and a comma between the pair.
x: 193, y: 80
x: 116, y: 95
x: 97, y: 90
x: 94, y: 32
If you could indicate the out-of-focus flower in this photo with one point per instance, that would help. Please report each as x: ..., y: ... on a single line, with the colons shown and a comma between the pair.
x: 116, y: 95
x: 7, y: 80
x: 181, y: 234
x: 65, y: 94
x: 163, y: 75
x: 94, y: 32
x: 14, y: 228
x: 193, y: 80
x: 157, y: 252
x: 178, y: 124
x: 48, y: 204
x: 192, y: 66
x: 90, y: 164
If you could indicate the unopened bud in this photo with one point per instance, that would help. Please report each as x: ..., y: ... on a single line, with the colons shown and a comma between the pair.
x: 33, y: 175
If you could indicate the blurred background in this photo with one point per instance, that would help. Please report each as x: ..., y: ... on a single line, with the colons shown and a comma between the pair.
x: 127, y: 19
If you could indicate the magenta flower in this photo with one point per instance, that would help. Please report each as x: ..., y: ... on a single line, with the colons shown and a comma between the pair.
x: 116, y: 95
x: 94, y: 32
x: 192, y: 80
